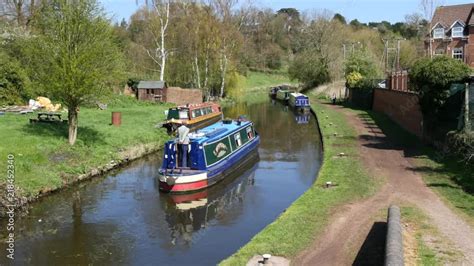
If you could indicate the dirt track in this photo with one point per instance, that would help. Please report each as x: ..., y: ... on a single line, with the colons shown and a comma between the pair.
x: 351, y: 223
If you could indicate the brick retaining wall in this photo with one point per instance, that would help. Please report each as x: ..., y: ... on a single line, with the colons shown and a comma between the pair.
x: 181, y: 96
x: 401, y: 107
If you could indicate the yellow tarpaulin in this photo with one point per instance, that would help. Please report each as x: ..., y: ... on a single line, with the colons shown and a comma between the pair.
x: 46, y: 104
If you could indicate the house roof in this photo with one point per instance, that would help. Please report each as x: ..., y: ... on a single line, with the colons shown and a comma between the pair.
x: 151, y: 84
x: 448, y: 15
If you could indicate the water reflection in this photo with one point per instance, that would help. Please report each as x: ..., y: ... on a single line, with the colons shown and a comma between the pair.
x: 302, y: 118
x: 188, y: 215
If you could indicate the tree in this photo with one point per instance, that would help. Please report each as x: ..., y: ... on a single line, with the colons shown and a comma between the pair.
x: 432, y: 78
x: 14, y: 82
x: 21, y: 12
x: 359, y: 67
x: 230, y: 25
x: 356, y: 24
x: 157, y: 28
x: 429, y: 7
x: 340, y: 18
x: 73, y: 58
x: 361, y: 62
x: 318, y: 62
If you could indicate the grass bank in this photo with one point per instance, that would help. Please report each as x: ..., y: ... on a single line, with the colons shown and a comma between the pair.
x: 261, y: 81
x: 44, y: 161
x: 306, y: 218
x: 449, y: 176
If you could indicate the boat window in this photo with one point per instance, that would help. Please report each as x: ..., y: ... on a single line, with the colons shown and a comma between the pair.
x: 209, y: 110
x: 173, y: 113
x: 203, y: 111
x: 250, y: 133
x: 193, y: 114
x: 183, y: 114
x: 198, y: 112
x: 238, y: 141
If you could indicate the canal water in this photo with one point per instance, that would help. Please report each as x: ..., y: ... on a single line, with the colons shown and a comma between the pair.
x: 122, y: 218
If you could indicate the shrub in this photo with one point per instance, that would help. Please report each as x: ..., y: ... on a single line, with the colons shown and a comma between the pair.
x: 353, y: 79
x: 432, y: 78
x: 14, y: 82
x: 362, y: 63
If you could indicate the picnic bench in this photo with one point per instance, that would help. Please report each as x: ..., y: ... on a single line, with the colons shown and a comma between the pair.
x: 48, y: 117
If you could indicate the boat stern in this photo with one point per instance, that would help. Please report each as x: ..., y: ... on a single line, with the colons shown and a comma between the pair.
x: 179, y: 181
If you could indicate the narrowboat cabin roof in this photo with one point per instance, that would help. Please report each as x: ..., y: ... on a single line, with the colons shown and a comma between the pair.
x: 217, y: 131
x: 297, y: 94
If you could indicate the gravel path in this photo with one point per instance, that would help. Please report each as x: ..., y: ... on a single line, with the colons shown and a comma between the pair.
x: 351, y: 223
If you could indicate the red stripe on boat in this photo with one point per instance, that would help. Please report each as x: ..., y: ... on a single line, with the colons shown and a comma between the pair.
x: 183, y: 187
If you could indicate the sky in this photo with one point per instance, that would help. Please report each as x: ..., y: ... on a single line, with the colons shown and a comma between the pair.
x: 363, y: 10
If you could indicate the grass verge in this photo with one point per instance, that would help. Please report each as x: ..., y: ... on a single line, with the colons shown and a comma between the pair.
x: 44, y: 160
x: 306, y: 218
x: 450, y: 177
x: 428, y: 246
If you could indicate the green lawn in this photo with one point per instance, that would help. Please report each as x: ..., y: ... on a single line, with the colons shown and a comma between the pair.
x: 43, y: 158
x: 255, y: 87
x: 261, y: 81
x: 306, y: 218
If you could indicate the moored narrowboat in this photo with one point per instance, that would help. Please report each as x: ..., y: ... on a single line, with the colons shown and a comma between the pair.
x: 193, y: 116
x: 273, y: 92
x: 299, y: 101
x: 283, y: 95
x: 213, y: 152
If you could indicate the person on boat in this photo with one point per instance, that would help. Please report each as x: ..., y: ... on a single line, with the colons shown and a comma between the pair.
x: 183, y: 143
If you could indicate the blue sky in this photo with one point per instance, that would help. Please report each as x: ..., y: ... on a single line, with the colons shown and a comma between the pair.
x: 363, y: 10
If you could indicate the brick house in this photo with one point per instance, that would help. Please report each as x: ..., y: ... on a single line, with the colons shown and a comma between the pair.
x: 452, y: 33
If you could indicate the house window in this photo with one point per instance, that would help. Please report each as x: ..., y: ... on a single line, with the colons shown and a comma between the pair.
x: 147, y: 91
x: 438, y: 33
x: 457, y: 32
x: 458, y: 53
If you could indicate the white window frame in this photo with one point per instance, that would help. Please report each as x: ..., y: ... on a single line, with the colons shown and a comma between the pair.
x: 438, y: 35
x: 458, y: 51
x: 459, y: 32
x: 238, y: 140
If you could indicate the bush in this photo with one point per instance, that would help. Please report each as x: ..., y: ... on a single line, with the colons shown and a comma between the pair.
x: 432, y: 78
x: 461, y: 144
x: 14, y: 83
x: 353, y: 79
x: 362, y: 63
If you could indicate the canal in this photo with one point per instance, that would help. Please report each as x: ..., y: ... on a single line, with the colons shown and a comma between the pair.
x: 122, y: 218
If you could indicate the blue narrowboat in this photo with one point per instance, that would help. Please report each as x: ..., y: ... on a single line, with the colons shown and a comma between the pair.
x: 213, y: 152
x: 299, y: 101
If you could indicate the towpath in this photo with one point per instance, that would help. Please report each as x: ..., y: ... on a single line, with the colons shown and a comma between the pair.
x: 350, y: 224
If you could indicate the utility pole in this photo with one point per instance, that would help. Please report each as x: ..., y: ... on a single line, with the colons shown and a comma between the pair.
x: 350, y: 48
x: 344, y: 51
x: 392, y: 54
